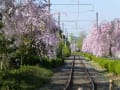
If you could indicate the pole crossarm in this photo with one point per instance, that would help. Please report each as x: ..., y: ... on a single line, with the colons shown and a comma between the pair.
x: 73, y: 4
x: 76, y: 20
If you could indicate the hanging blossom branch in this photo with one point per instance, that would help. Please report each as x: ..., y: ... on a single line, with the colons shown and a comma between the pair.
x: 32, y: 19
x: 104, y: 41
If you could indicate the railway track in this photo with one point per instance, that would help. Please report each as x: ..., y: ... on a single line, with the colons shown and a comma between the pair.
x: 76, y: 74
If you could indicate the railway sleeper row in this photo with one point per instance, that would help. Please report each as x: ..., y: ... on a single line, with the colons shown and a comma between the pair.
x: 86, y: 82
x: 76, y: 76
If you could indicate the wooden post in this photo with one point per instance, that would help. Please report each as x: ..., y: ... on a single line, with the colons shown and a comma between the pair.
x: 80, y: 88
x: 110, y: 84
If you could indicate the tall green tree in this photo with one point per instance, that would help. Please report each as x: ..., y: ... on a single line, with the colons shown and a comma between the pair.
x: 80, y: 39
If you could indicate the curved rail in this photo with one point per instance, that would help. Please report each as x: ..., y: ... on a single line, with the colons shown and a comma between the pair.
x: 93, y: 87
x: 69, y: 82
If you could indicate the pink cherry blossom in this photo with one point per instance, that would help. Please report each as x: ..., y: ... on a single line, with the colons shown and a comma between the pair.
x: 105, y: 39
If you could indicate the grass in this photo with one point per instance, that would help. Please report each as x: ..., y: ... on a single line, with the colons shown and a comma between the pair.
x: 29, y: 77
x: 110, y: 65
x: 25, y: 78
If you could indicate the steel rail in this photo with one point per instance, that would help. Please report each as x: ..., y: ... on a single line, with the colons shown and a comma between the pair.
x: 69, y: 81
x: 90, y: 78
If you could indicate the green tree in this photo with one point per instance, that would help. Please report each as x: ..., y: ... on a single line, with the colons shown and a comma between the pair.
x: 6, y: 47
x: 80, y: 38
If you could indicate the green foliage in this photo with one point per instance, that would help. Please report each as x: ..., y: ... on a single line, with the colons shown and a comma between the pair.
x: 31, y: 60
x: 5, y: 50
x: 59, y: 50
x: 25, y: 53
x: 66, y: 51
x: 110, y: 65
x: 117, y: 68
x: 1, y: 24
x: 56, y: 62
x: 45, y: 62
x: 51, y: 63
x: 63, y: 50
x: 79, y: 41
x: 25, y: 78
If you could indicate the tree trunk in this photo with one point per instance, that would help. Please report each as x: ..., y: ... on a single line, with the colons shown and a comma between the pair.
x: 1, y: 64
x: 21, y: 61
x: 110, y: 52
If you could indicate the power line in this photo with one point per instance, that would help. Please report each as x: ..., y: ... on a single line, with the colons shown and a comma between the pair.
x: 74, y: 28
x: 76, y: 20
x: 73, y: 4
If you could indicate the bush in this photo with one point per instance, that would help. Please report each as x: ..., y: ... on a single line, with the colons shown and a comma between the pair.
x: 117, y: 68
x: 51, y: 63
x: 56, y: 62
x: 1, y: 24
x: 104, y: 63
x: 45, y: 62
x: 66, y: 51
x: 110, y: 65
x: 31, y: 60
x: 25, y: 78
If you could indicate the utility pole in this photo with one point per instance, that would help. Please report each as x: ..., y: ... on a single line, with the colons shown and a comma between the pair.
x: 63, y: 27
x: 62, y: 39
x: 48, y: 25
x: 59, y: 17
x: 49, y: 6
x: 97, y: 19
x: 78, y: 8
x: 66, y: 35
x: 2, y: 9
x: 63, y: 31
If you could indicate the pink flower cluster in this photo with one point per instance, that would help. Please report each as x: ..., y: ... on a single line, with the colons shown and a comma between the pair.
x: 32, y: 19
x: 103, y: 40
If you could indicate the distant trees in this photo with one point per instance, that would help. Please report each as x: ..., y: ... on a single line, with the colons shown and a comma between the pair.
x: 80, y: 39
x: 77, y: 41
x: 104, y: 41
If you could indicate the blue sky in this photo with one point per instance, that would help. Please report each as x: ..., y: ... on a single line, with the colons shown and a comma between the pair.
x: 107, y: 9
